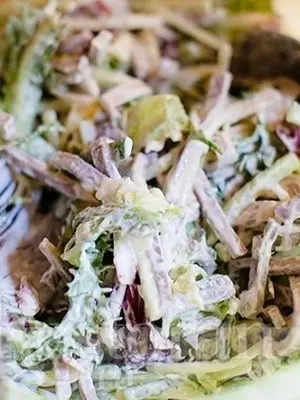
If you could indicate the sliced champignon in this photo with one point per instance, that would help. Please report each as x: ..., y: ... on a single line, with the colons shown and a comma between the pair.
x: 278, y: 265
x: 252, y: 300
x: 291, y: 184
x: 256, y: 214
x: 291, y: 343
x: 273, y: 313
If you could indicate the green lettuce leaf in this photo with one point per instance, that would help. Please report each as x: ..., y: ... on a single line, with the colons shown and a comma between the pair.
x: 11, y: 390
x: 150, y: 388
x: 271, y: 386
x: 155, y: 119
x: 126, y: 209
x: 89, y: 313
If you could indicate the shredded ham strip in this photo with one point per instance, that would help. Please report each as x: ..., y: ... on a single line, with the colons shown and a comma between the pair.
x: 102, y: 158
x: 243, y: 109
x: 41, y: 171
x: 78, y: 167
x: 215, y: 216
x: 63, y: 384
x: 58, y: 266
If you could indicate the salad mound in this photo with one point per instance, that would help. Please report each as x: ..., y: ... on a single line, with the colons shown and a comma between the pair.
x: 162, y: 198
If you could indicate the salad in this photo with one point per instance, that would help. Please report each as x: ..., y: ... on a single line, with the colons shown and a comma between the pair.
x: 160, y: 192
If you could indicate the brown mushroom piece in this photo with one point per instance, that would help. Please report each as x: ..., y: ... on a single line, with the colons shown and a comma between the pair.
x: 35, y: 295
x: 257, y: 46
x: 278, y: 265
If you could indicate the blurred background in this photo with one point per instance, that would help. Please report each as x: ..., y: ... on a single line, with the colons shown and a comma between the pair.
x: 289, y: 10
